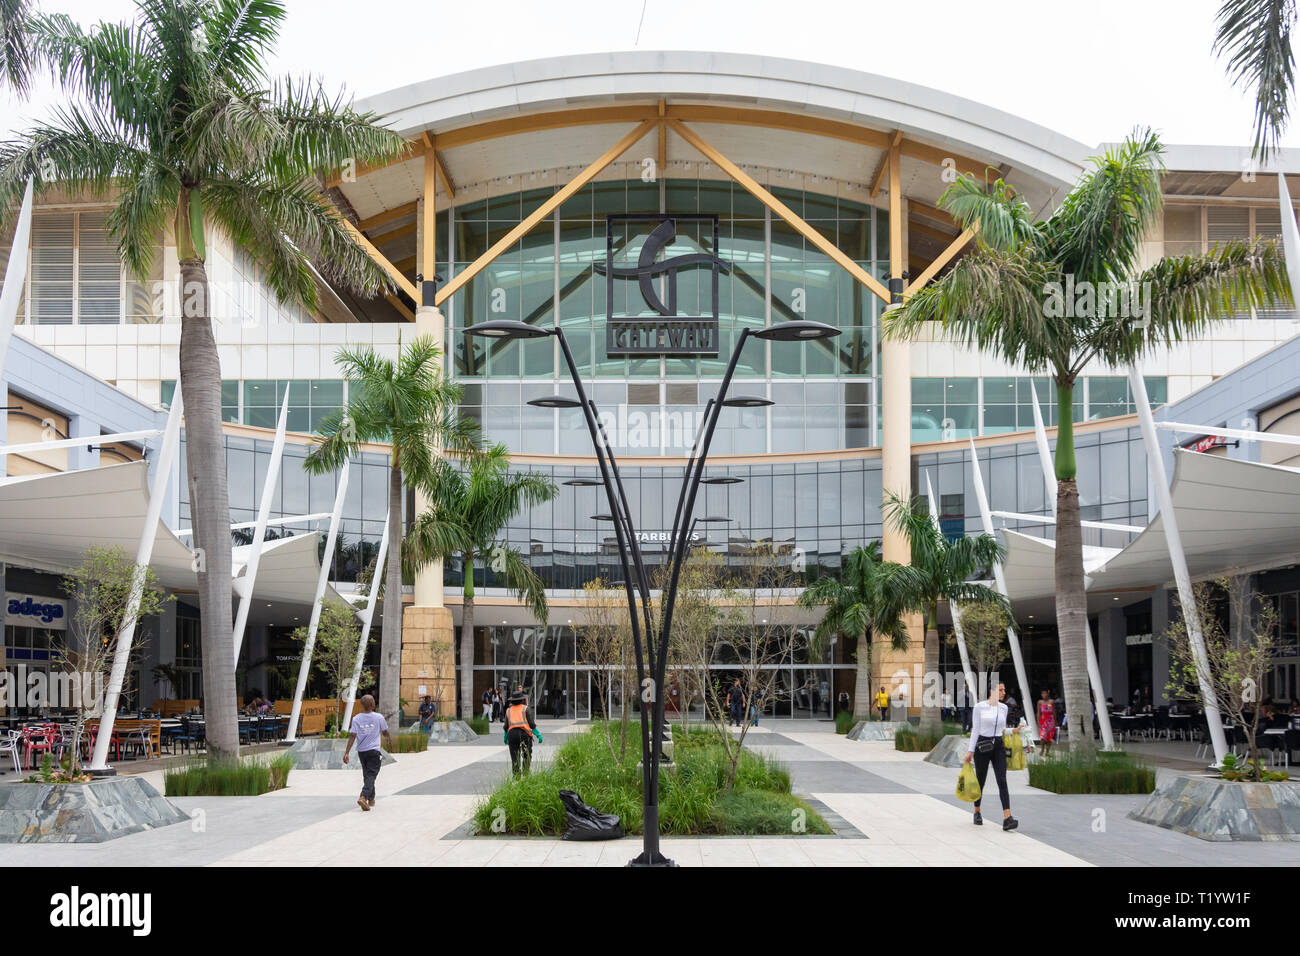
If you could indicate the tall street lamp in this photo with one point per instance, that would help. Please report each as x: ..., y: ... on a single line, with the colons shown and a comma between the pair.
x: 651, y: 648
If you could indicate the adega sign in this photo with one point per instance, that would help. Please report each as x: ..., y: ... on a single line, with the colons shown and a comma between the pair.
x: 26, y: 610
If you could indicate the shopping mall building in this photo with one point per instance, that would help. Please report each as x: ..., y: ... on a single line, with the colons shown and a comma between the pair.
x: 531, y: 192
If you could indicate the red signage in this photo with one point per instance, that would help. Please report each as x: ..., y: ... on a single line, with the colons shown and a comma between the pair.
x: 1206, y: 443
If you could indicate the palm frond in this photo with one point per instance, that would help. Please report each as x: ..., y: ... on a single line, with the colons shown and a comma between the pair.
x: 1003, y: 220
x: 1100, y: 226
x: 15, y: 44
x: 1255, y: 36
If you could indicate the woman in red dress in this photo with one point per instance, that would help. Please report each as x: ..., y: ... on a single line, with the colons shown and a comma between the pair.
x: 1046, y: 722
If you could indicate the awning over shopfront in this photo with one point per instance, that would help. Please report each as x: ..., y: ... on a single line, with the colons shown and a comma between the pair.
x: 1232, y: 515
x: 48, y: 521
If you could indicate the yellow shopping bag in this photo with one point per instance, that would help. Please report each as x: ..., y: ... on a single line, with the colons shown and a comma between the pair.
x: 968, y: 788
x: 1015, y: 750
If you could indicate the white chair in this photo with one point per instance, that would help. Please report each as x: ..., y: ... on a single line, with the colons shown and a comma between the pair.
x: 9, y: 744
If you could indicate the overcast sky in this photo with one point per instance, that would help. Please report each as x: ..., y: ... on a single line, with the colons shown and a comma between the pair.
x: 1090, y: 70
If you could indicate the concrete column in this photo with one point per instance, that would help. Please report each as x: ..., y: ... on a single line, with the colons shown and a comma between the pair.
x: 1160, y: 618
x: 428, y: 582
x: 79, y: 458
x: 1112, y: 653
x: 896, y: 451
x: 428, y: 632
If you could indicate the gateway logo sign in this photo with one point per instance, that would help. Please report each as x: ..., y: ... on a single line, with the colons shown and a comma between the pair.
x: 667, y: 333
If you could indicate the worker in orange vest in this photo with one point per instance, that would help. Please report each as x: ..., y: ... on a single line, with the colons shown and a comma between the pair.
x: 520, y: 730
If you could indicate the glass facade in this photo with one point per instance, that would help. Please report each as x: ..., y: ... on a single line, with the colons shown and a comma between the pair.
x: 365, y: 505
x: 948, y: 409
x: 824, y: 390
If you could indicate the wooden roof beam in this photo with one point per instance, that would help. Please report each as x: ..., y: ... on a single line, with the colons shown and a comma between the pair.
x: 780, y: 209
x: 545, y: 209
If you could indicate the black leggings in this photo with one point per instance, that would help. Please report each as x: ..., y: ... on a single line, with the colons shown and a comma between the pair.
x: 998, y: 757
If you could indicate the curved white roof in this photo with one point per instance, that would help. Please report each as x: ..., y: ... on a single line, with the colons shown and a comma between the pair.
x: 868, y: 99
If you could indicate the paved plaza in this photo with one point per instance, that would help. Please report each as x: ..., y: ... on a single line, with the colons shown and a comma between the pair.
x: 888, y: 809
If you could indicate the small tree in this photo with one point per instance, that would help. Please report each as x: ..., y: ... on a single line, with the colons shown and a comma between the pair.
x: 984, y: 626
x: 605, y: 642
x: 755, y: 642
x: 1237, y: 663
x: 441, y: 652
x: 693, y: 644
x: 338, y: 635
x: 103, y: 585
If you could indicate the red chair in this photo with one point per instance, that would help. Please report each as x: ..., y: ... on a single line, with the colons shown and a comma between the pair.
x: 92, y: 734
x: 44, y: 739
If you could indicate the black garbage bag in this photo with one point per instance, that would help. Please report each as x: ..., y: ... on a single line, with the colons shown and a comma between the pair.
x: 586, y: 823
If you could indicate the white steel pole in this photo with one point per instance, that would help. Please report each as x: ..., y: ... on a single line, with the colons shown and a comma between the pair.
x: 143, y: 555
x: 11, y: 295
x: 259, y: 533
x: 1094, y: 669
x: 1290, y: 234
x: 1156, y: 469
x: 305, y: 667
x: 956, y: 619
x: 999, y: 579
x: 1044, y: 452
x: 367, y: 615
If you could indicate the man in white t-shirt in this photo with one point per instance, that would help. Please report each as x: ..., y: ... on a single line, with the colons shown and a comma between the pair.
x: 367, y: 728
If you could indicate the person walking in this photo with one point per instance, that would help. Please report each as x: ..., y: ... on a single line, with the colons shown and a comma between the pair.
x: 486, y: 700
x: 735, y: 701
x: 520, y: 730
x: 882, y: 703
x: 367, y: 728
x: 498, y: 709
x: 988, y: 721
x: 1046, y: 722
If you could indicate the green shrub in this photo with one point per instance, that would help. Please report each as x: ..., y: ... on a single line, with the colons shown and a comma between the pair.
x: 409, y: 742
x: 480, y: 725
x: 748, y: 811
x: 692, y: 794
x: 911, y: 739
x: 243, y: 778
x: 844, y: 722
x: 1103, y: 772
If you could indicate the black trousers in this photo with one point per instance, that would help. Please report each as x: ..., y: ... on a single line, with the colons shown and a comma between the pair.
x: 370, y: 760
x: 998, y: 758
x: 521, y: 748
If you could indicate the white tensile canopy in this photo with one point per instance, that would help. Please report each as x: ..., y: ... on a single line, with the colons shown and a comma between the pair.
x: 1232, y: 515
x: 48, y: 521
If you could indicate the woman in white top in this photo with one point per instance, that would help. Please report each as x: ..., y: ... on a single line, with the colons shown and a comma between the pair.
x: 988, y: 722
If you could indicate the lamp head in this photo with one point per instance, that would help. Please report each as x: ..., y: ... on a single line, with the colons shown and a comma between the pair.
x: 555, y: 401
x: 507, y: 329
x: 799, y: 331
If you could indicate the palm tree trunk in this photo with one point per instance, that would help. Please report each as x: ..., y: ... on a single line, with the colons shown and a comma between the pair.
x: 390, y: 639
x: 205, y: 460
x: 1072, y: 616
x: 931, y: 716
x: 862, y: 680
x: 467, y: 640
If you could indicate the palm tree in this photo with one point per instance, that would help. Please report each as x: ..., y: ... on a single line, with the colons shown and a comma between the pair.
x: 940, y: 571
x: 409, y: 403
x: 1005, y: 298
x: 481, y: 498
x: 862, y: 601
x: 174, y: 117
x: 1255, y: 36
x: 15, y: 44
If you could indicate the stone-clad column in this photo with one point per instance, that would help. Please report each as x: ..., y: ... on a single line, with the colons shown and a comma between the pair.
x: 428, y: 632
